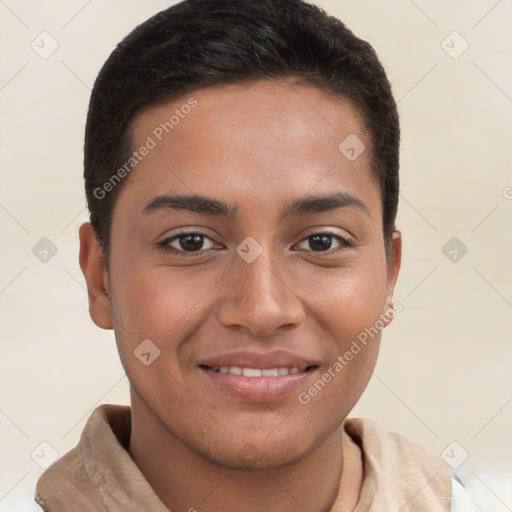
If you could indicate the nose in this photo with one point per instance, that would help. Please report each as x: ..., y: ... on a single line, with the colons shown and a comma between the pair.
x: 258, y: 298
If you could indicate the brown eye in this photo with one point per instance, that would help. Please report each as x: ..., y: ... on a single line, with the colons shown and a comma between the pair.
x: 188, y: 242
x: 323, y: 242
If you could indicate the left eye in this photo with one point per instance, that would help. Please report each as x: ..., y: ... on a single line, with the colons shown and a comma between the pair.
x: 322, y: 242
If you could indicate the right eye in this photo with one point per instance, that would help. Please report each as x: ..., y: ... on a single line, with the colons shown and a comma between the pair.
x: 187, y: 243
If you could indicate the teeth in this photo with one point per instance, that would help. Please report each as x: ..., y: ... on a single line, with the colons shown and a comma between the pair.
x: 256, y: 372
x: 251, y: 372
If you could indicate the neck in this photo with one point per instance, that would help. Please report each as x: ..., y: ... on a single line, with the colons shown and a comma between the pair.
x: 183, y: 480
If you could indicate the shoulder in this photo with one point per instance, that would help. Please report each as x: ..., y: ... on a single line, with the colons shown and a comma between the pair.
x: 397, y: 466
x: 399, y: 471
x: 391, y: 451
x: 86, y: 472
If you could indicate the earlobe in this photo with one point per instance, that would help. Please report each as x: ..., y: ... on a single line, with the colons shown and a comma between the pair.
x: 393, y: 269
x: 92, y: 263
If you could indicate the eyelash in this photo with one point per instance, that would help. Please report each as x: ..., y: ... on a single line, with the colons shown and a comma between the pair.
x: 164, y: 244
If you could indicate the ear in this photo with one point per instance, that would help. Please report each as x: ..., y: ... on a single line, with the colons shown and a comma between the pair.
x: 393, y: 268
x: 92, y: 263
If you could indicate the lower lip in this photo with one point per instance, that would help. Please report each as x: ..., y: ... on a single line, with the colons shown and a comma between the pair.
x: 258, y: 389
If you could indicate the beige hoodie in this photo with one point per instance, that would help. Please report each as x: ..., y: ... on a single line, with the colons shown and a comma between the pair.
x: 99, y: 474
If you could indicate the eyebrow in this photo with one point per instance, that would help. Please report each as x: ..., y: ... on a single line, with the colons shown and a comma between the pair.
x: 206, y: 205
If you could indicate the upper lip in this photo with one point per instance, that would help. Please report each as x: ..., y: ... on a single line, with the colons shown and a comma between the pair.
x: 262, y: 360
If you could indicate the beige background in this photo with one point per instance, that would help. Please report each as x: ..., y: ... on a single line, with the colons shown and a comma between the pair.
x: 445, y: 369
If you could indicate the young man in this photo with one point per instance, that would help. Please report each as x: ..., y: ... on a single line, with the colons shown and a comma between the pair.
x: 241, y: 170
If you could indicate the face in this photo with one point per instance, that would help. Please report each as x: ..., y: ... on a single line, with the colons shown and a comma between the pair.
x: 249, y: 250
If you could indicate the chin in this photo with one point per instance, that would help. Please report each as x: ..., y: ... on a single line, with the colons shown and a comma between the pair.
x: 259, y: 452
x: 251, y: 458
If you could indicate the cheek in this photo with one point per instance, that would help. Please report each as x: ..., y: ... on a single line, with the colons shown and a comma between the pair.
x: 166, y: 306
x: 348, y: 305
x: 154, y: 302
x: 347, y: 300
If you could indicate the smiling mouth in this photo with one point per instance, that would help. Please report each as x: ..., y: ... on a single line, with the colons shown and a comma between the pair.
x: 258, y: 372
x: 258, y: 384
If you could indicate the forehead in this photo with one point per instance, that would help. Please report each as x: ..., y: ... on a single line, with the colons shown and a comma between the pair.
x: 257, y: 142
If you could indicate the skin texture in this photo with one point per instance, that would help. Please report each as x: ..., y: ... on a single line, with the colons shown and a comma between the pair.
x: 259, y: 146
